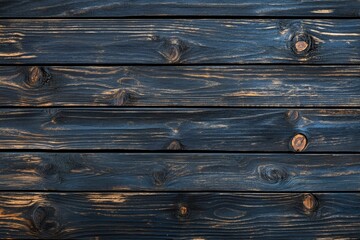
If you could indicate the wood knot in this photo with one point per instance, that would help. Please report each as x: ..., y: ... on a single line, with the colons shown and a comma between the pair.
x: 121, y: 98
x: 160, y: 177
x: 174, y: 54
x: 173, y: 49
x: 38, y: 77
x: 302, y: 44
x: 56, y: 116
x: 44, y: 220
x: 50, y: 172
x: 292, y: 115
x: 273, y: 174
x: 183, y: 211
x: 299, y: 142
x: 310, y: 202
x: 48, y: 169
x: 175, y: 145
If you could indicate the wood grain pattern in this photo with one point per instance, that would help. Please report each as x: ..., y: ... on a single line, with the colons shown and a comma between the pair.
x: 167, y: 86
x: 158, y: 215
x: 122, y: 8
x: 179, y: 172
x: 273, y: 78
x: 176, y: 41
x: 195, y: 129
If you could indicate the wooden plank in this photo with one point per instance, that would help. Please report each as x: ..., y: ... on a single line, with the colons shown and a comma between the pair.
x: 122, y: 8
x: 179, y: 172
x: 181, y: 128
x: 179, y: 215
x: 166, y: 86
x: 170, y: 41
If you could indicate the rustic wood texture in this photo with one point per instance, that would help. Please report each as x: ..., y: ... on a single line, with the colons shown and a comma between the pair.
x: 234, y: 119
x: 180, y: 215
x: 175, y: 41
x: 179, y: 172
x: 196, y: 129
x: 122, y: 8
x: 270, y: 86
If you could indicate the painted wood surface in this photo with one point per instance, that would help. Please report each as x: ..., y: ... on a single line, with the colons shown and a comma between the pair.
x: 334, y: 130
x: 180, y: 215
x: 179, y: 172
x: 234, y: 119
x: 179, y: 41
x: 123, y: 8
x: 168, y: 86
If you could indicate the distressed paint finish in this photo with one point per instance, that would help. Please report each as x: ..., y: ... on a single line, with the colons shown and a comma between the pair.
x: 167, y: 86
x: 177, y: 41
x: 233, y: 119
x: 159, y: 8
x: 334, y: 130
x: 179, y: 172
x: 179, y: 215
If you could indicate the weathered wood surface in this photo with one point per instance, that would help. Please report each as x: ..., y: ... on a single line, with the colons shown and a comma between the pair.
x: 195, y: 129
x: 122, y: 8
x: 170, y: 41
x: 270, y: 86
x: 180, y: 215
x: 179, y: 172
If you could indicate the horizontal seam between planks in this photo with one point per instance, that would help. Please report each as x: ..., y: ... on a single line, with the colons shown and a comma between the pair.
x: 172, y: 191
x: 179, y: 64
x: 36, y: 150
x: 160, y: 108
x: 177, y: 17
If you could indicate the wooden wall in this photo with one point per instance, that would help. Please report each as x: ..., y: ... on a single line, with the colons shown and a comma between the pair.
x: 232, y: 119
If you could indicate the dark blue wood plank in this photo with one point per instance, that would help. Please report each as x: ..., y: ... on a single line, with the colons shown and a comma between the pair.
x: 217, y: 129
x: 123, y: 8
x: 179, y: 41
